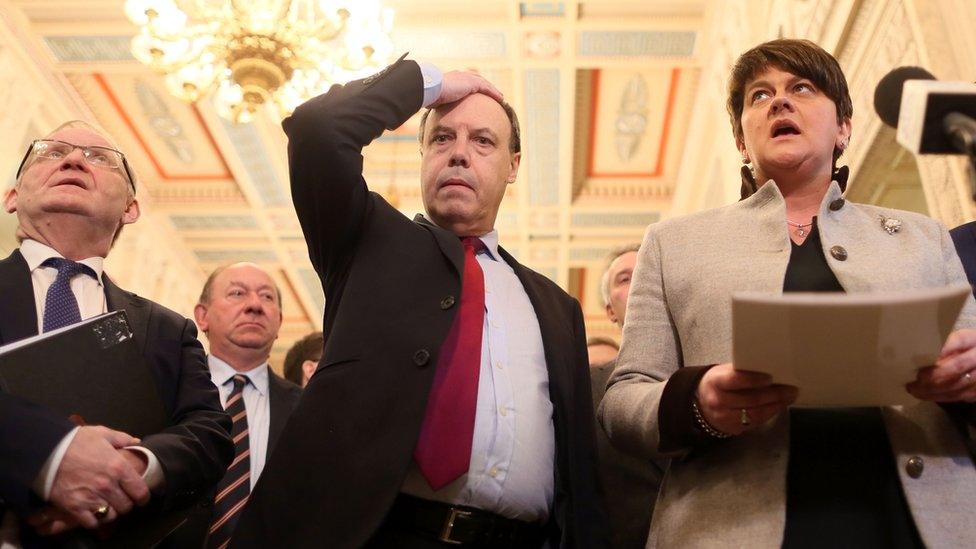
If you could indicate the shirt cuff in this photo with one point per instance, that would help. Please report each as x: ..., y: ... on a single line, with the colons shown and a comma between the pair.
x: 44, y: 480
x: 678, y: 430
x: 153, y: 475
x: 432, y: 82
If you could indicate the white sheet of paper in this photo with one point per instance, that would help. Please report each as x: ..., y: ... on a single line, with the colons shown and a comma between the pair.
x: 844, y: 349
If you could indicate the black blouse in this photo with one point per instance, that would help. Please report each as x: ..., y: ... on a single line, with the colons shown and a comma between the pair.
x: 842, y: 486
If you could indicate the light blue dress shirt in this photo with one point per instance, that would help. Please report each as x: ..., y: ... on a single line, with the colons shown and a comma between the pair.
x: 257, y: 403
x: 513, y: 451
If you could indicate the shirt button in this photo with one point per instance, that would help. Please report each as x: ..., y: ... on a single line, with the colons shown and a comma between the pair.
x: 499, y: 365
x: 839, y: 253
x: 447, y: 302
x: 493, y: 472
x: 503, y: 411
x: 836, y: 204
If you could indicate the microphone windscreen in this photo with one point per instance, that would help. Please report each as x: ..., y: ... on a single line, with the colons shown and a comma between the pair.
x: 887, y: 96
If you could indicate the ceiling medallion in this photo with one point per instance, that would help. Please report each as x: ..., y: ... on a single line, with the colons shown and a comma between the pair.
x: 253, y: 53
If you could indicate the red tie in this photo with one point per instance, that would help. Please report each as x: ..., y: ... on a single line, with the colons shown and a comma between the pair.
x: 443, y: 450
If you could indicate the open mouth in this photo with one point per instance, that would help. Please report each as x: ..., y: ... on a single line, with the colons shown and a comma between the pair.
x: 783, y: 128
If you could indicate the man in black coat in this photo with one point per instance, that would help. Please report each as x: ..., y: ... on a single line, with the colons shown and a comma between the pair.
x: 240, y: 311
x: 74, y: 192
x: 344, y: 472
x: 631, y: 483
x: 964, y: 238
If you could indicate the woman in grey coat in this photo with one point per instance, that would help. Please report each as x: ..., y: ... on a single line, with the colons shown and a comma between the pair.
x: 748, y: 471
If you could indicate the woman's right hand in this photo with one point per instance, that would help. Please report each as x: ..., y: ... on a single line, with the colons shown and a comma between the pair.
x: 724, y: 392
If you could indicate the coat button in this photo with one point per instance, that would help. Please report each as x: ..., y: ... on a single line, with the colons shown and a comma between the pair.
x: 839, y: 253
x: 836, y: 204
x: 421, y: 357
x: 914, y: 466
x: 448, y: 302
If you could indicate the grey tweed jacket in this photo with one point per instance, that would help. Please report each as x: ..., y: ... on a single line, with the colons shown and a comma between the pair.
x: 733, y: 492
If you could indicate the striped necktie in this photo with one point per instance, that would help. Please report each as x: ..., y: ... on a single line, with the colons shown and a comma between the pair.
x: 234, y: 488
x: 60, y: 304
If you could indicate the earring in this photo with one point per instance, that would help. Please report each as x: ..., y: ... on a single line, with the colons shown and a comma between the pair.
x: 749, y: 186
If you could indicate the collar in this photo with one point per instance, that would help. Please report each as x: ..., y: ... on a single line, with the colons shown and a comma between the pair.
x: 36, y: 253
x: 490, y: 239
x: 770, y: 192
x: 221, y: 373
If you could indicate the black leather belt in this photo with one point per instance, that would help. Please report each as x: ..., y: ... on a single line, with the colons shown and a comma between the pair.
x: 464, y: 526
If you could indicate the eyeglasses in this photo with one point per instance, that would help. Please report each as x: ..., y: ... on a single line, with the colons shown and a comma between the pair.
x: 100, y: 157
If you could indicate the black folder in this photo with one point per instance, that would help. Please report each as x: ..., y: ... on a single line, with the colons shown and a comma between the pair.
x: 94, y: 373
x: 92, y: 370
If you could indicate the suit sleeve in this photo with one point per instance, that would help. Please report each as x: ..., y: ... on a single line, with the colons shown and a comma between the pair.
x: 631, y: 411
x: 196, y: 449
x: 326, y: 136
x: 28, y: 435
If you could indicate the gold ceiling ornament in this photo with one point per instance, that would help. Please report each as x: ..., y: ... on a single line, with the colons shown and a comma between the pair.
x: 252, y: 53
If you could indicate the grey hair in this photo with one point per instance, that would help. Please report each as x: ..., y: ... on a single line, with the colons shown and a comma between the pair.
x: 611, y: 257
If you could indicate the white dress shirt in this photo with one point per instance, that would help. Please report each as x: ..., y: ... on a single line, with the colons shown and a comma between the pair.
x: 513, y: 451
x: 257, y: 402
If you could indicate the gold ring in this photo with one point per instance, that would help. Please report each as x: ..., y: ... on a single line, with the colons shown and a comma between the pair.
x: 744, y: 417
x: 101, y: 512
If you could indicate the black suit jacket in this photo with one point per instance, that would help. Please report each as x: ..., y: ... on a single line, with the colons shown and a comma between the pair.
x: 348, y: 446
x: 193, y: 451
x: 964, y: 238
x: 630, y: 483
x: 283, y: 397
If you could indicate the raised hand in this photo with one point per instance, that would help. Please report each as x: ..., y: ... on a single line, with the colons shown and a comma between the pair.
x: 457, y: 85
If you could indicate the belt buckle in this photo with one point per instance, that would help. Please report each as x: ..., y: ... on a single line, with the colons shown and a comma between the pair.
x: 449, y: 525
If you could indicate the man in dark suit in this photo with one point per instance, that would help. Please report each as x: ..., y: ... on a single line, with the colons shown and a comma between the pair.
x: 240, y: 311
x: 964, y: 238
x: 452, y: 401
x: 73, y: 194
x: 630, y: 483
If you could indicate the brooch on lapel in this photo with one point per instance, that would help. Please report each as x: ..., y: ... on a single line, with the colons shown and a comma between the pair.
x: 890, y: 224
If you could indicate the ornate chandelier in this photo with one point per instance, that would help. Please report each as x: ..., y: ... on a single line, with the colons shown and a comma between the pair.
x: 252, y: 53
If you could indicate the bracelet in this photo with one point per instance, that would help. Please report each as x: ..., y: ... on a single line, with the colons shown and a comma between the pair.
x: 704, y: 425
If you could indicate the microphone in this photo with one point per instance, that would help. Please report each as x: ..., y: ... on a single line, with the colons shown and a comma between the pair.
x: 932, y: 117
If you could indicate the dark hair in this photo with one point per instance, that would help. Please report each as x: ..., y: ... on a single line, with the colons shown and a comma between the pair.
x: 800, y: 57
x: 514, y: 141
x: 306, y: 348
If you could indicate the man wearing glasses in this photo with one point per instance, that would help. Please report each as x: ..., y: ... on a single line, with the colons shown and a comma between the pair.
x: 74, y: 192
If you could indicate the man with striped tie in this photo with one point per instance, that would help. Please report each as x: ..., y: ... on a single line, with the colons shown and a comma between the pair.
x: 74, y: 192
x: 240, y: 311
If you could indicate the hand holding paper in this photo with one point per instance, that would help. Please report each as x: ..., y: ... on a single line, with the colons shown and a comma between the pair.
x: 724, y: 392
x: 953, y: 377
x: 855, y: 350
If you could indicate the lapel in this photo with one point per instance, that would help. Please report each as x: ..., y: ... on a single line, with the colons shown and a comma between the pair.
x: 117, y: 299
x: 281, y: 406
x: 18, y: 312
x: 448, y: 242
x: 553, y: 328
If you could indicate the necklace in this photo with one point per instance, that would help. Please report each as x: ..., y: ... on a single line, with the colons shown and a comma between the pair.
x: 800, y: 227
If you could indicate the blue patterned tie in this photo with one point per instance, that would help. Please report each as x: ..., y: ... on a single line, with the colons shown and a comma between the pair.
x: 60, y: 306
